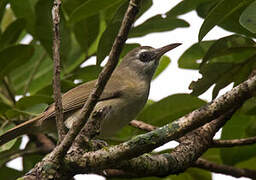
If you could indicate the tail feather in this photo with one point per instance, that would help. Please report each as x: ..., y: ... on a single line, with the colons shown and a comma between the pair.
x: 19, y: 130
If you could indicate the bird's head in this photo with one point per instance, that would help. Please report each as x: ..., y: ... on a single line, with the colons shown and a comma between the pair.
x: 144, y: 60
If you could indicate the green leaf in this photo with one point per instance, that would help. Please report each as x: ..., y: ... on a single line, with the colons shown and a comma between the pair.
x: 235, y: 129
x: 164, y: 62
x: 189, y: 59
x: 169, y: 109
x: 213, y: 155
x: 91, y: 7
x: 29, y: 101
x: 86, y: 31
x: 9, y: 173
x: 2, y: 8
x: 87, y: 73
x: 234, y: 44
x: 108, y: 36
x: 185, y: 6
x: 43, y: 28
x: 3, y: 107
x: 223, y: 10
x: 70, y: 5
x: 14, y: 57
x: 10, y: 144
x: 192, y: 174
x: 248, y: 18
x: 25, y: 9
x: 12, y: 33
x: 157, y: 24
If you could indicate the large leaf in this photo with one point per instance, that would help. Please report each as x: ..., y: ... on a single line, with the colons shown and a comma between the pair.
x: 108, y: 37
x: 2, y: 8
x: 248, y: 18
x: 157, y: 24
x: 25, y: 9
x: 91, y: 7
x: 223, y: 10
x: 12, y: 33
x: 235, y: 129
x: 185, y: 6
x: 164, y: 62
x: 7, y: 146
x: 87, y: 73
x: 14, y: 57
x: 169, y: 109
x: 86, y: 31
x: 43, y: 28
x: 190, y: 58
x: 234, y: 44
x: 9, y: 173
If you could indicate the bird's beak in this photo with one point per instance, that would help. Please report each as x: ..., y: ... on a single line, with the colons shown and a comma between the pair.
x: 161, y: 51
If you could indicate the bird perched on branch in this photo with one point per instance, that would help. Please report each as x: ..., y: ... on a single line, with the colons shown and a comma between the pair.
x: 124, y: 96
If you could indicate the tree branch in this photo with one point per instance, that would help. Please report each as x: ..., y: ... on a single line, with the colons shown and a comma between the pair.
x: 142, y: 125
x: 224, y: 169
x: 56, y: 72
x: 233, y: 142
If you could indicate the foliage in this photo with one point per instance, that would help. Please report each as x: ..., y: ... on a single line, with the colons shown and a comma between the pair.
x: 26, y: 70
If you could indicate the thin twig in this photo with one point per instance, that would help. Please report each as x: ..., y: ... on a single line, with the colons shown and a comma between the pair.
x: 104, y: 76
x: 225, y: 169
x: 142, y: 125
x: 234, y: 142
x: 57, y: 69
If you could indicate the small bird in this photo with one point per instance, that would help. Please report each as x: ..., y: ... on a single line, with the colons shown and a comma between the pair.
x: 124, y: 96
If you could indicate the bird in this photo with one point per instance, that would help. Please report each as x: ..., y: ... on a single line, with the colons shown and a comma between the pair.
x: 123, y: 97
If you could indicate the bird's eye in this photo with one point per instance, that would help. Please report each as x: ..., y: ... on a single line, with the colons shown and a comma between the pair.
x: 145, y: 56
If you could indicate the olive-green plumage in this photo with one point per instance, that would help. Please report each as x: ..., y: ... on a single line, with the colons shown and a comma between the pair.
x: 124, y: 96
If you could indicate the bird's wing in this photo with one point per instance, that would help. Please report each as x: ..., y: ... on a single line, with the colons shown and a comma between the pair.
x: 76, y: 97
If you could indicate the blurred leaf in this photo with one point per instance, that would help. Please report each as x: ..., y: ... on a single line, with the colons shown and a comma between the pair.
x: 189, y: 59
x: 157, y: 24
x: 163, y: 64
x: 248, y: 18
x: 3, y: 107
x: 218, y: 14
x: 193, y: 174
x: 29, y: 101
x: 169, y: 109
x: 87, y: 73
x: 43, y: 28
x: 14, y: 57
x: 7, y: 19
x: 223, y: 70
x: 231, y: 23
x: 185, y: 6
x: 109, y: 35
x: 249, y: 164
x: 127, y: 48
x: 249, y: 107
x: 228, y: 45
x: 12, y: 33
x: 9, y: 173
x: 213, y: 154
x: 11, y: 143
x: 235, y: 129
x: 2, y: 8
x: 86, y: 31
x: 91, y: 7
x: 30, y: 160
x: 22, y: 76
x: 25, y: 9
x: 71, y: 5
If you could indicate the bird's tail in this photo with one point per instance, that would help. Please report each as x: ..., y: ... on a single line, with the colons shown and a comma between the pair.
x: 19, y: 130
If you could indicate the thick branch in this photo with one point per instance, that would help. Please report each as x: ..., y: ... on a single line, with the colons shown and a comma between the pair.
x: 147, y: 142
x: 224, y: 169
x: 234, y: 142
x: 57, y: 69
